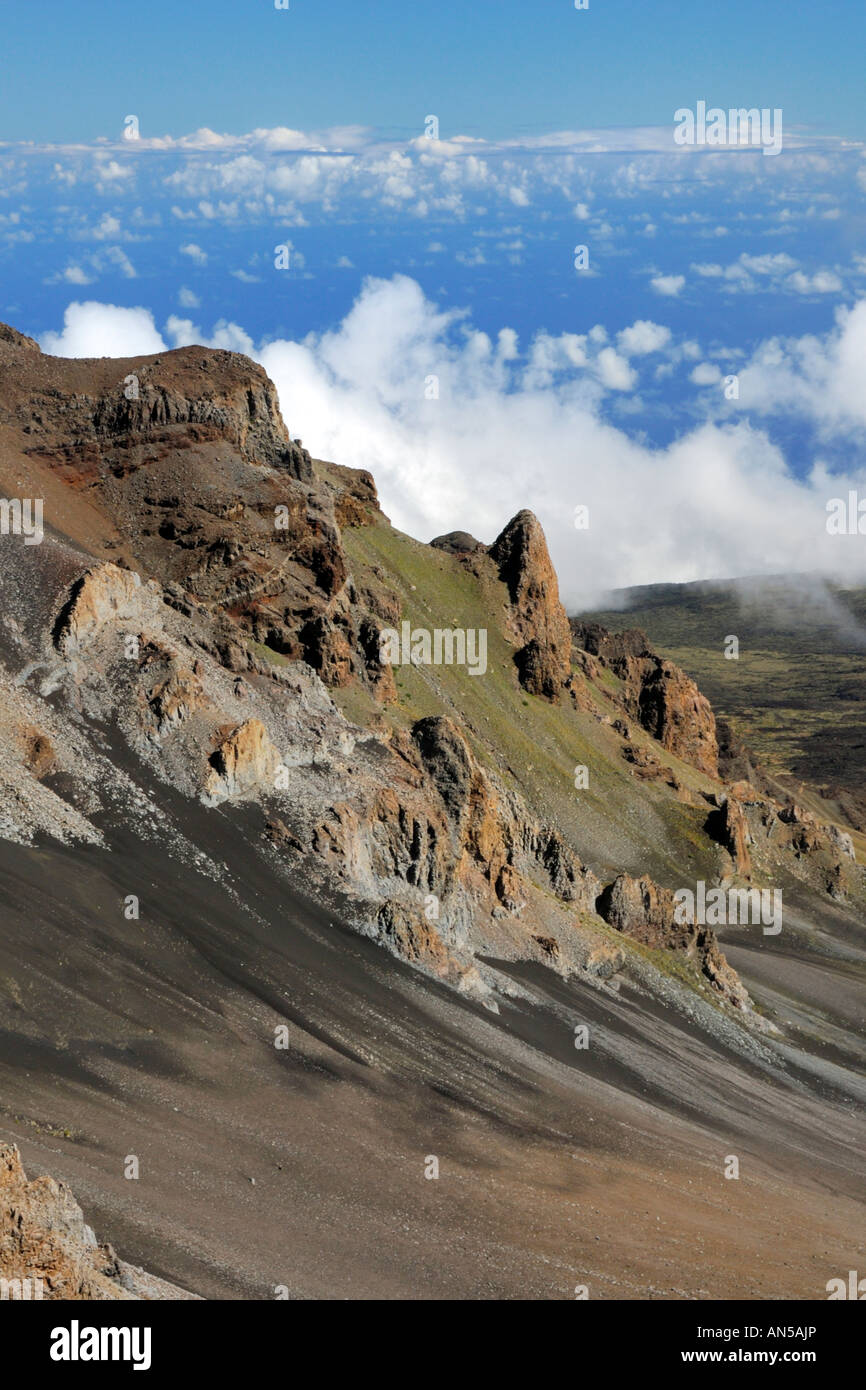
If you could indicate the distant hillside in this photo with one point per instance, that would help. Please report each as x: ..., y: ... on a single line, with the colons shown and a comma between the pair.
x: 796, y: 692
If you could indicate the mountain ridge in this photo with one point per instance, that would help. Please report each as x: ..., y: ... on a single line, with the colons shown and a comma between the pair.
x: 199, y: 636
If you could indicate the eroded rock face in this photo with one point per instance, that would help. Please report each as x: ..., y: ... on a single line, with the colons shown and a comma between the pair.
x: 663, y: 699
x: 570, y: 880
x: 228, y: 395
x: 411, y: 935
x: 736, y: 762
x: 668, y: 704
x: 493, y: 832
x: 189, y: 472
x: 610, y: 646
x: 728, y: 825
x: 103, y: 595
x: 357, y: 501
x: 47, y: 1251
x: 823, y: 852
x: 538, y: 619
x: 10, y: 338
x: 173, y: 691
x: 246, y: 761
x: 641, y: 909
x: 446, y: 756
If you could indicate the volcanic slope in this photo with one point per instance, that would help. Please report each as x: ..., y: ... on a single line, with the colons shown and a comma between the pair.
x: 219, y: 805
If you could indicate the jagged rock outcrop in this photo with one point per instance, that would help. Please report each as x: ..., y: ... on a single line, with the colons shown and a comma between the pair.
x: 103, y: 595
x: 245, y: 761
x: 481, y: 823
x: 610, y: 646
x: 736, y: 762
x: 11, y: 339
x: 824, y: 851
x: 492, y: 830
x: 411, y: 935
x: 641, y: 909
x: 173, y: 691
x: 668, y: 704
x: 727, y: 824
x: 47, y: 1251
x: 537, y: 618
x: 570, y: 880
x: 357, y: 501
x: 446, y: 756
x: 665, y: 701
x: 225, y: 393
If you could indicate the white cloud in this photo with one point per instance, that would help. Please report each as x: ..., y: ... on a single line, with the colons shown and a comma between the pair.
x: 281, y: 138
x: 513, y: 429
x: 822, y: 282
x: 643, y: 337
x: 194, y: 252
x: 749, y: 274
x: 614, y: 370
x: 182, y: 332
x: 706, y: 374
x: 74, y: 275
x: 275, y: 170
x: 230, y: 336
x: 669, y: 285
x: 119, y: 258
x: 719, y: 501
x: 110, y: 171
x: 822, y: 379
x: 91, y: 329
x: 187, y: 298
x: 107, y: 229
x: 773, y: 265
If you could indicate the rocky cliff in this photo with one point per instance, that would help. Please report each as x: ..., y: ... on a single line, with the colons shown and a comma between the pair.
x: 657, y: 693
x: 47, y: 1251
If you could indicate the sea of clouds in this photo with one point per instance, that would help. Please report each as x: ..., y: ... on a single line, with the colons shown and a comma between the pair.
x: 449, y: 375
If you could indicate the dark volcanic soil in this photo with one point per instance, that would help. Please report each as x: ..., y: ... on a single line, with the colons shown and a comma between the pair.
x: 305, y: 1167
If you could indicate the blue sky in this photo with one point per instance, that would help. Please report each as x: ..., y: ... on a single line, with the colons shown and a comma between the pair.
x: 282, y: 199
x: 493, y: 68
